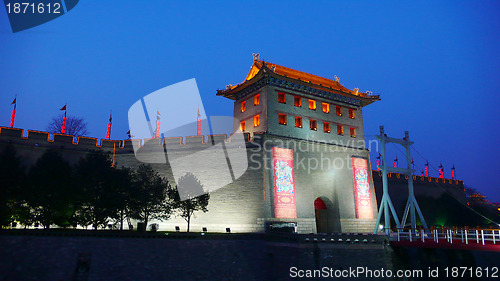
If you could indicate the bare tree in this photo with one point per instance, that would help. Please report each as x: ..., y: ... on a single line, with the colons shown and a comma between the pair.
x: 75, y: 126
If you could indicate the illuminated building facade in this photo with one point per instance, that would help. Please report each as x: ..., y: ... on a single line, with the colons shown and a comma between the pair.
x: 315, y: 168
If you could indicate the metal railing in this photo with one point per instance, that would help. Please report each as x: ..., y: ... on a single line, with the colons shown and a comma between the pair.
x: 448, y: 235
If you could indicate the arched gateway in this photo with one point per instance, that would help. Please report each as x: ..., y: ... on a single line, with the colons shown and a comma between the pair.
x: 321, y: 212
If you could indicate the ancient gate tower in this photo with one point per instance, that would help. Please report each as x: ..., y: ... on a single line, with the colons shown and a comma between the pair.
x: 309, y: 134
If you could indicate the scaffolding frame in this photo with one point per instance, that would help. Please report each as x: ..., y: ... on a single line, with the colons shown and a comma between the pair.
x: 386, y: 203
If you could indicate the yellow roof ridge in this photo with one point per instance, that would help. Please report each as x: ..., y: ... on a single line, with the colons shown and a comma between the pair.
x: 296, y: 74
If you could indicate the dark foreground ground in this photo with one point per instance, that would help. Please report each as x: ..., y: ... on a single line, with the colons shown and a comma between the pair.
x: 102, y: 255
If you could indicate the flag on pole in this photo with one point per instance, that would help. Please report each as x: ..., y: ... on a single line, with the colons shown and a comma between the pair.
x: 128, y: 134
x: 441, y: 172
x: 13, y: 116
x: 108, y: 133
x: 63, y: 129
x: 199, y: 122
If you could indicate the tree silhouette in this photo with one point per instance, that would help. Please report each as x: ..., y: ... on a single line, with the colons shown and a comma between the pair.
x: 49, y: 198
x: 11, y: 175
x: 75, y: 126
x: 124, y: 192
x: 97, y: 184
x: 186, y: 208
x: 150, y: 195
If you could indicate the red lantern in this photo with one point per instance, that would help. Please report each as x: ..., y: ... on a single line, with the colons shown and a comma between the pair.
x: 63, y: 130
x: 199, y: 123
x: 12, y: 118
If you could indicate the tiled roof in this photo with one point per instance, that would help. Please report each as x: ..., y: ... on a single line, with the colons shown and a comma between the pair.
x: 261, y: 67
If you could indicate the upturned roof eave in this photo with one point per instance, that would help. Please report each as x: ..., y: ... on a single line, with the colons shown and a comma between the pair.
x: 264, y: 71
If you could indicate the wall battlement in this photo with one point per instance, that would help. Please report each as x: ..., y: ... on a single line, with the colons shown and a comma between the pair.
x: 39, y: 138
x: 397, y: 177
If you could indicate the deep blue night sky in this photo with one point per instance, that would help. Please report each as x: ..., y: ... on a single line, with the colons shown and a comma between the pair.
x: 436, y: 65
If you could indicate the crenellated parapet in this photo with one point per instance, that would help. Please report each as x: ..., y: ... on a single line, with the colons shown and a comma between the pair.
x: 398, y: 177
x: 60, y: 141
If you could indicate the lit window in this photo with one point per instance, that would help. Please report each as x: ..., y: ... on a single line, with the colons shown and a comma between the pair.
x: 340, y: 130
x: 243, y: 106
x: 326, y: 107
x: 256, y: 99
x: 312, y: 104
x: 313, y: 125
x: 326, y: 127
x: 298, y: 122
x: 282, y: 119
x: 242, y: 126
x: 353, y: 132
x: 256, y: 120
x: 281, y: 97
x: 297, y: 101
x: 339, y: 110
x: 351, y: 113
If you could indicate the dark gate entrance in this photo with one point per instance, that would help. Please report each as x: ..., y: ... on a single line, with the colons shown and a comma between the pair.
x: 321, y: 216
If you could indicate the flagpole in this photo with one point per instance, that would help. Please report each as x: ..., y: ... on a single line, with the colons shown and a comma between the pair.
x: 63, y: 129
x: 108, y: 133
x: 13, y: 116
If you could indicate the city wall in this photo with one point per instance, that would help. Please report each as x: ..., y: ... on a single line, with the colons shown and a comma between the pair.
x: 245, y: 205
x: 238, y: 205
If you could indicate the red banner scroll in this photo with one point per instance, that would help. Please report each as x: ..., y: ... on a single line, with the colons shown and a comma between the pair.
x: 362, y: 188
x: 284, y: 183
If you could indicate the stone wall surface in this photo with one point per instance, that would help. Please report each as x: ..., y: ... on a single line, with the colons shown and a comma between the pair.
x: 429, y: 187
x: 194, y: 258
x: 97, y: 257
